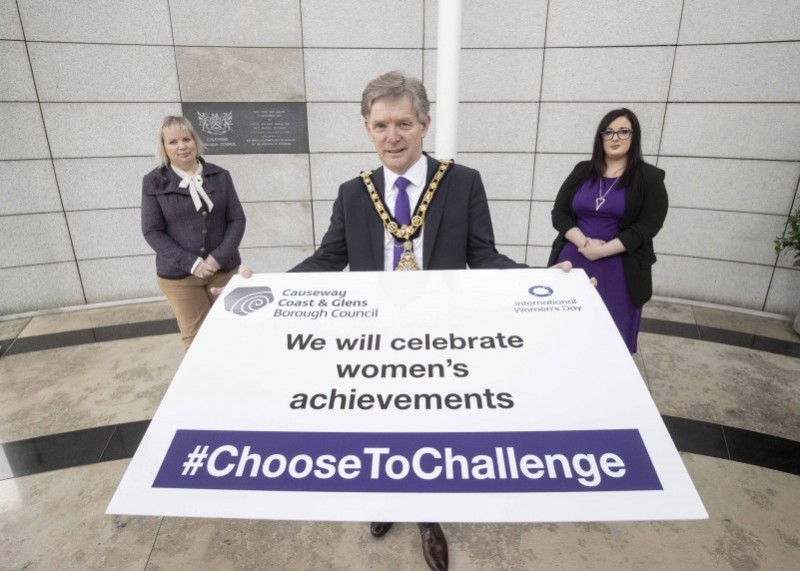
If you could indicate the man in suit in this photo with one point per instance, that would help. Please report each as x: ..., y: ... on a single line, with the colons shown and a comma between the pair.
x: 414, y: 212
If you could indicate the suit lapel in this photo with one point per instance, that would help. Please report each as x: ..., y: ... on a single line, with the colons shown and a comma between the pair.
x: 433, y: 217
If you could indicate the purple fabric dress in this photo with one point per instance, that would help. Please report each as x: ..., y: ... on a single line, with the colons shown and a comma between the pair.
x: 603, y: 224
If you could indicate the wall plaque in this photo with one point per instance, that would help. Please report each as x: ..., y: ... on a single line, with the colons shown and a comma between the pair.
x: 248, y: 128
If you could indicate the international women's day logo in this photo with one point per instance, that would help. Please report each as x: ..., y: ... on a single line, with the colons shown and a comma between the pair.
x: 246, y: 300
x: 540, y: 291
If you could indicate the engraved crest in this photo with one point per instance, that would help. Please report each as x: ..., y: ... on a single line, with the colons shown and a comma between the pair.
x: 215, y: 123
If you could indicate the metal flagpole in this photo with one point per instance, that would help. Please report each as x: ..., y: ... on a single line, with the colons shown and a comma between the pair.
x: 448, y: 60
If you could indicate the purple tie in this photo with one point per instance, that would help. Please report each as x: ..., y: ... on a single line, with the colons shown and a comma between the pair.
x: 402, y: 213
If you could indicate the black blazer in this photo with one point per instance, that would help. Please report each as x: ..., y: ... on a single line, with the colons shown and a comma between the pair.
x: 457, y: 231
x: 646, y: 205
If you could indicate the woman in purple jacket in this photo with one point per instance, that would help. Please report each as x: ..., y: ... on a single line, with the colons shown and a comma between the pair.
x: 192, y: 218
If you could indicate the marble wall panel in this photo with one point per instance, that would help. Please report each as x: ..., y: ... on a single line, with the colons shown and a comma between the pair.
x: 743, y: 72
x: 86, y: 130
x: 28, y: 187
x: 271, y: 224
x: 497, y: 24
x: 337, y: 128
x: 510, y: 222
x: 32, y: 239
x: 342, y: 74
x: 581, y: 74
x: 33, y: 288
x: 492, y: 75
x: 329, y: 171
x: 107, y: 233
x: 273, y: 260
x: 86, y: 72
x: 88, y: 184
x: 570, y: 127
x: 733, y: 130
x: 10, y: 28
x: 537, y: 256
x: 730, y: 236
x: 765, y: 187
x: 596, y: 23
x: 250, y: 23
x: 784, y: 293
x: 322, y: 218
x: 723, y: 21
x: 111, y: 279
x: 22, y: 135
x: 541, y: 231
x: 97, y: 21
x: 362, y: 24
x: 240, y: 74
x: 516, y: 253
x: 506, y: 176
x: 714, y: 281
x: 550, y: 172
x: 17, y: 82
x: 496, y: 127
x: 265, y: 178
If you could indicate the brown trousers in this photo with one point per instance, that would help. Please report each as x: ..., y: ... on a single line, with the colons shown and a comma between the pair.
x: 191, y: 299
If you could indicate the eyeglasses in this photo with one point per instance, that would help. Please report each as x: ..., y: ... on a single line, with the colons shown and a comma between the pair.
x: 623, y: 134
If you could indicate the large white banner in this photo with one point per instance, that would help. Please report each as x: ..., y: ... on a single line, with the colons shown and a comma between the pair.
x: 417, y: 396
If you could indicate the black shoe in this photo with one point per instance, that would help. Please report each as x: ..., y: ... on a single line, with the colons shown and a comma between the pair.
x: 434, y: 547
x: 379, y: 529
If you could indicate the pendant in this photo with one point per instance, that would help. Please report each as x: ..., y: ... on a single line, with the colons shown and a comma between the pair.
x: 407, y: 262
x: 598, y: 202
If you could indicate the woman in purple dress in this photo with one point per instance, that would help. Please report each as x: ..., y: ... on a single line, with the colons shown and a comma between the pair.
x: 607, y: 212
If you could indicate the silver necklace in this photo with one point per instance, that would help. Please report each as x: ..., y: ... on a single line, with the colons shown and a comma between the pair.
x: 601, y: 196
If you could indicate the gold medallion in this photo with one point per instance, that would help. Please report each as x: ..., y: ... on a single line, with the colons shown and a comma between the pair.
x: 407, y: 262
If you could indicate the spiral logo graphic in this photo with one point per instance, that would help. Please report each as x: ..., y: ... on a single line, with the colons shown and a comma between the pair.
x: 540, y: 291
x: 246, y: 300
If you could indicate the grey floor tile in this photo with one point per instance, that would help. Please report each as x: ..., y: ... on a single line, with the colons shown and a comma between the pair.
x: 57, y: 520
x: 729, y: 385
x: 669, y: 311
x: 85, y: 386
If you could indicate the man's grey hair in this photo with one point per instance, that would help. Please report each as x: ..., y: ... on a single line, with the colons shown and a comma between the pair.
x: 178, y: 122
x: 395, y: 85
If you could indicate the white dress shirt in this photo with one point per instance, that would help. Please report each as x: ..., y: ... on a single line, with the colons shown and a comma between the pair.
x: 416, y: 176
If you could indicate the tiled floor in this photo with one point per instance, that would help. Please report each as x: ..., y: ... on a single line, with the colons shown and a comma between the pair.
x: 78, y: 388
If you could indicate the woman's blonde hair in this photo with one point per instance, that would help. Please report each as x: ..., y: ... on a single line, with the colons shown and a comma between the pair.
x: 176, y: 122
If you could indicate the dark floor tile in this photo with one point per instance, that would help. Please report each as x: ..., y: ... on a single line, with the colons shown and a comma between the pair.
x: 778, y: 346
x: 763, y: 450
x: 727, y: 336
x: 140, y: 329
x: 51, y: 341
x: 54, y: 452
x: 94, y: 335
x: 5, y: 344
x: 696, y: 437
x: 125, y: 440
x: 750, y: 341
x: 671, y: 328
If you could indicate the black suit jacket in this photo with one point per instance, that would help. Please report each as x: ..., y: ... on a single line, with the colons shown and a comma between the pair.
x: 457, y: 232
x: 646, y: 205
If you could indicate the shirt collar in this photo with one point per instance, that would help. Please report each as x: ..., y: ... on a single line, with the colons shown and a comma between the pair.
x: 416, y: 174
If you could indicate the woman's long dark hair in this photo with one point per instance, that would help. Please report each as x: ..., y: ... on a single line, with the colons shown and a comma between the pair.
x: 598, y: 163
